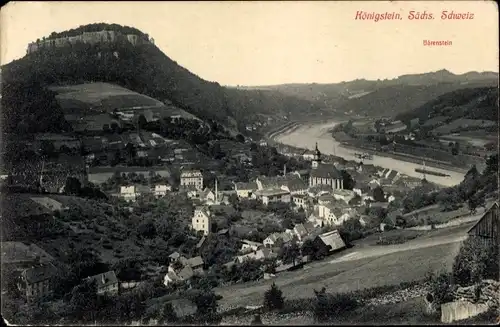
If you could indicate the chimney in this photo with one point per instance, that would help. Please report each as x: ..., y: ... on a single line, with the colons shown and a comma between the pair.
x: 284, y: 170
x: 103, y: 279
x: 216, y: 195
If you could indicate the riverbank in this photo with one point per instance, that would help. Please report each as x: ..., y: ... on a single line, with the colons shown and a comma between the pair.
x: 432, y: 163
x: 306, y: 135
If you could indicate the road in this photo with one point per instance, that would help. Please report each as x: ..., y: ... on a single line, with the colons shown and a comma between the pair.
x: 307, y: 135
x: 363, y: 266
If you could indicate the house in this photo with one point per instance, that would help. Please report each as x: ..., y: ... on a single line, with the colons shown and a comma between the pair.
x: 374, y: 183
x: 329, y: 242
x: 344, y: 195
x: 248, y: 246
x: 391, y: 177
x: 106, y: 283
x: 182, y: 275
x: 301, y: 231
x: 192, y: 178
x: 132, y: 192
x: 261, y: 254
x: 277, y: 239
x: 294, y: 184
x: 395, y: 127
x: 300, y: 201
x: 245, y: 190
x: 18, y: 255
x: 36, y: 282
x: 304, y: 174
x: 487, y: 229
x: 202, y: 220
x: 273, y: 195
x: 196, y: 263
x: 162, y: 189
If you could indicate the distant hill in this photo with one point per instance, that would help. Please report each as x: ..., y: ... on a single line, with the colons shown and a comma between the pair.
x: 471, y: 103
x: 384, y: 97
x: 73, y: 57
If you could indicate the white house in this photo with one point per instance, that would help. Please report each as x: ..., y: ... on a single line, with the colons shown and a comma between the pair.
x: 344, y: 195
x: 248, y: 246
x: 162, y: 189
x: 192, y: 178
x: 202, y: 220
x: 300, y: 201
x: 245, y: 190
x: 273, y: 195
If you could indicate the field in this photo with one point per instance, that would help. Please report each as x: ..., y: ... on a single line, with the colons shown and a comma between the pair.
x: 464, y: 123
x: 363, y: 266
x: 473, y: 138
x: 92, y: 98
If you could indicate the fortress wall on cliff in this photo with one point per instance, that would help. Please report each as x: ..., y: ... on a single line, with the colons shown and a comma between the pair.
x: 87, y: 37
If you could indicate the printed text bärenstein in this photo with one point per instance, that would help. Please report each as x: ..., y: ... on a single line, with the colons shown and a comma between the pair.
x: 363, y: 15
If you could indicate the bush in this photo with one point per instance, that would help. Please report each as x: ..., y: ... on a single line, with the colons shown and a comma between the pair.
x: 273, y: 298
x: 440, y: 288
x: 474, y: 262
x: 328, y: 306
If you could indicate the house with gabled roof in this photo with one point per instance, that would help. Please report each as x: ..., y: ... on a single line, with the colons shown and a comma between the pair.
x: 36, y: 282
x: 202, y: 220
x: 330, y: 242
x: 106, y: 283
x: 245, y: 190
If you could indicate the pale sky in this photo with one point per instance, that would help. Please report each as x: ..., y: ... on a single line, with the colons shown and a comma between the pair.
x: 264, y: 43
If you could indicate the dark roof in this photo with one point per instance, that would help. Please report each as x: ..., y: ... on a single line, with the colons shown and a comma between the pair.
x: 295, y: 183
x: 199, y: 245
x: 195, y: 262
x: 39, y: 273
x: 246, y: 186
x: 485, y: 216
x: 104, y: 279
x: 326, y: 171
x: 392, y: 175
x: 333, y: 240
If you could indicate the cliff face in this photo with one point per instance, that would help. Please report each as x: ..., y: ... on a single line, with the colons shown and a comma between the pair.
x: 104, y: 36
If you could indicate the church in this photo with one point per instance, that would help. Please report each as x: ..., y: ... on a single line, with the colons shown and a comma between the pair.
x: 324, y: 174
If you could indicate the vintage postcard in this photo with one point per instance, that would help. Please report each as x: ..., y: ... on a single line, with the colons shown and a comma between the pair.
x: 249, y: 162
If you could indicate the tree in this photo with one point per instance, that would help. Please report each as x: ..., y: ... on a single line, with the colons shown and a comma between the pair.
x: 378, y: 194
x: 142, y: 122
x: 290, y: 253
x: 347, y: 179
x: 273, y: 298
x: 476, y: 201
x: 72, y: 186
x: 257, y: 321
x: 476, y: 260
x: 206, y: 302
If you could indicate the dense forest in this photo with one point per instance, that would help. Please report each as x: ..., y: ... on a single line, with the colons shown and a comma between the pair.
x: 472, y: 103
x: 143, y: 69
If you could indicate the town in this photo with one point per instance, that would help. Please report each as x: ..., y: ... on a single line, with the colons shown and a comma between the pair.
x: 133, y: 191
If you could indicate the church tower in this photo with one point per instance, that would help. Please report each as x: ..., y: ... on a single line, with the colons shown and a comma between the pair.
x: 317, y: 157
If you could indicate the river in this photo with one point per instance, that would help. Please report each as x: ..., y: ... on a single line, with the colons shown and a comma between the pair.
x: 307, y: 135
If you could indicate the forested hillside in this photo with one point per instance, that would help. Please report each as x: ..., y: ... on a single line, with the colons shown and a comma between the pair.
x: 143, y: 69
x: 473, y: 103
x: 385, y: 97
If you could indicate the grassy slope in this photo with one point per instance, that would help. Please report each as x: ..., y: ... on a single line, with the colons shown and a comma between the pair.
x: 348, y: 275
x: 83, y: 98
